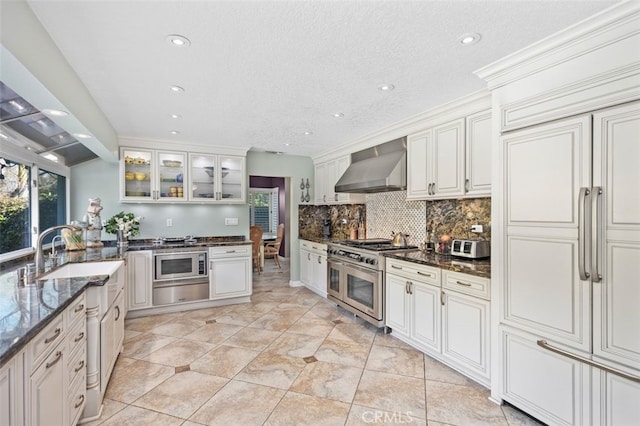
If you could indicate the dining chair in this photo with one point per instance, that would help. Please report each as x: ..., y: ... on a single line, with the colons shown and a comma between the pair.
x: 273, y: 248
x: 255, y: 235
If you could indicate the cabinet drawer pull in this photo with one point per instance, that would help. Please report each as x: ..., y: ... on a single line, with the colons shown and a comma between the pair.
x: 80, y: 337
x: 80, y: 367
x: 230, y: 251
x: 80, y: 402
x: 55, y: 361
x: 54, y: 337
x: 463, y: 283
x: 425, y: 274
x: 547, y: 346
x: 79, y: 308
x: 396, y: 267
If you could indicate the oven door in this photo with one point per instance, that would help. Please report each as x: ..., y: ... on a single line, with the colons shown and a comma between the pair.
x: 363, y: 289
x: 172, y: 266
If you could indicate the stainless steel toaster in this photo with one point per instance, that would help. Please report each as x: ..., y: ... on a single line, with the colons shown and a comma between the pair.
x: 471, y: 249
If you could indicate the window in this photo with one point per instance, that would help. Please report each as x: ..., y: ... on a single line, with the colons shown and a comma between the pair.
x: 263, y: 205
x: 15, y: 207
x: 52, y: 201
x: 33, y: 197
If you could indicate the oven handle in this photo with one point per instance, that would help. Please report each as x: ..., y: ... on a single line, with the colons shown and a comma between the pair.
x: 358, y: 268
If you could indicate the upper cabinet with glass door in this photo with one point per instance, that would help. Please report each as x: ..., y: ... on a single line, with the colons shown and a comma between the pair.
x: 149, y: 175
x: 216, y: 178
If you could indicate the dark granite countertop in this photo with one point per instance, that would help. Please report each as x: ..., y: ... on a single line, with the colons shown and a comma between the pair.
x: 480, y: 268
x: 320, y: 240
x: 26, y: 310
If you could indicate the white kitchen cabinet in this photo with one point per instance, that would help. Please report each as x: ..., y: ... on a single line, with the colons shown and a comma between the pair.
x: 447, y: 160
x: 418, y: 173
x: 48, y: 390
x: 449, y: 321
x: 139, y: 279
x: 412, y: 305
x: 111, y: 339
x: 327, y: 175
x: 217, y: 178
x: 11, y: 391
x: 230, y: 272
x: 451, y: 159
x: 465, y: 334
x: 618, y: 400
x: 152, y: 175
x: 313, y: 266
x: 478, y: 154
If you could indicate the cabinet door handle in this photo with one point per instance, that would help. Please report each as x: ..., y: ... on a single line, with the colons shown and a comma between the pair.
x: 79, y: 308
x: 410, y: 287
x: 547, y: 346
x: 596, y: 191
x: 442, y: 298
x: 406, y: 287
x: 319, y: 260
x: 211, y: 265
x: 80, y: 337
x: 55, y: 361
x: 79, y: 367
x: 425, y: 274
x: 463, y: 283
x: 80, y: 402
x: 118, y: 313
x: 56, y: 333
x: 396, y: 267
x: 466, y: 185
x: 309, y: 256
x: 582, y: 236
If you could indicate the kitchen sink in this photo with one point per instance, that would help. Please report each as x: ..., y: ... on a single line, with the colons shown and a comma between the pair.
x: 84, y: 269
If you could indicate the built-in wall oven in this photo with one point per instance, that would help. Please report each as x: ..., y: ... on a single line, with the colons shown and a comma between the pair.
x: 180, y: 275
x: 355, y: 276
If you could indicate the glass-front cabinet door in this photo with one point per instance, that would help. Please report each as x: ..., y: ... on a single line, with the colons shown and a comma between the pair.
x: 203, y: 177
x: 171, y: 176
x: 136, y: 174
x: 232, y: 180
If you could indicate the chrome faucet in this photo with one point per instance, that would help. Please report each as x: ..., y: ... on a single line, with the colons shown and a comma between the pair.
x: 40, y: 252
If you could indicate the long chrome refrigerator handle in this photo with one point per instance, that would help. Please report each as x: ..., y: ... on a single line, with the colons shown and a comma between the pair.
x: 543, y: 344
x: 596, y: 228
x: 582, y: 237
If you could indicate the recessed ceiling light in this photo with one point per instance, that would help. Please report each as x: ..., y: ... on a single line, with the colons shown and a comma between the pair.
x: 469, y: 39
x: 82, y: 136
x: 287, y: 144
x: 308, y: 133
x: 16, y: 105
x: 175, y: 132
x: 178, y: 40
x: 55, y: 112
x: 51, y: 157
x: 386, y: 87
x: 176, y: 116
x: 176, y: 89
x: 338, y: 115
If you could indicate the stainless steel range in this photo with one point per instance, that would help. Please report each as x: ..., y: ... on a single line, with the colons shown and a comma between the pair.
x: 355, y: 279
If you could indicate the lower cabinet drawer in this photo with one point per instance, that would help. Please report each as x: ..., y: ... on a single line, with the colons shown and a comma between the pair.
x: 466, y: 284
x: 77, y: 365
x: 230, y: 251
x: 44, y: 343
x: 77, y: 398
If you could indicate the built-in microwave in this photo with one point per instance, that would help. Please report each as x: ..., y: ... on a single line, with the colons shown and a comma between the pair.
x: 180, y: 265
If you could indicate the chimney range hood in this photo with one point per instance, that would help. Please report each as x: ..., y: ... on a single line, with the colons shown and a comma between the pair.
x: 381, y: 168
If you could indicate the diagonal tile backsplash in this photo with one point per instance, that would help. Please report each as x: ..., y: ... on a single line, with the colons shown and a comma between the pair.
x: 390, y: 211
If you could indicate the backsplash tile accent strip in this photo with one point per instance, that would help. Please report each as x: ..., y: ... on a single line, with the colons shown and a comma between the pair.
x: 390, y: 211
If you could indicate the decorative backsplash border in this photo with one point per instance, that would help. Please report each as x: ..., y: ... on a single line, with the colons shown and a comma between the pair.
x: 390, y: 212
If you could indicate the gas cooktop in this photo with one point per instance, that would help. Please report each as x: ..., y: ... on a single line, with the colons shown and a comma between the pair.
x: 374, y: 244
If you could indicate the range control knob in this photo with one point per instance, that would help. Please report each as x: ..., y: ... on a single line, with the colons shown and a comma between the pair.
x: 373, y: 261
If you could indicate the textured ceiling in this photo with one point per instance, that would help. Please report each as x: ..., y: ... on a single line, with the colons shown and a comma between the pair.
x: 261, y: 73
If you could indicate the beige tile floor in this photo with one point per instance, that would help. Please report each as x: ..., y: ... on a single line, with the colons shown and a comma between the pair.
x: 287, y: 358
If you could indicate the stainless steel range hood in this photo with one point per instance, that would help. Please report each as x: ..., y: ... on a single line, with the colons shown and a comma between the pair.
x: 380, y: 168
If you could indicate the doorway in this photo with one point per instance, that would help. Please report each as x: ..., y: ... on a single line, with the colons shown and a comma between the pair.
x: 268, y: 201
